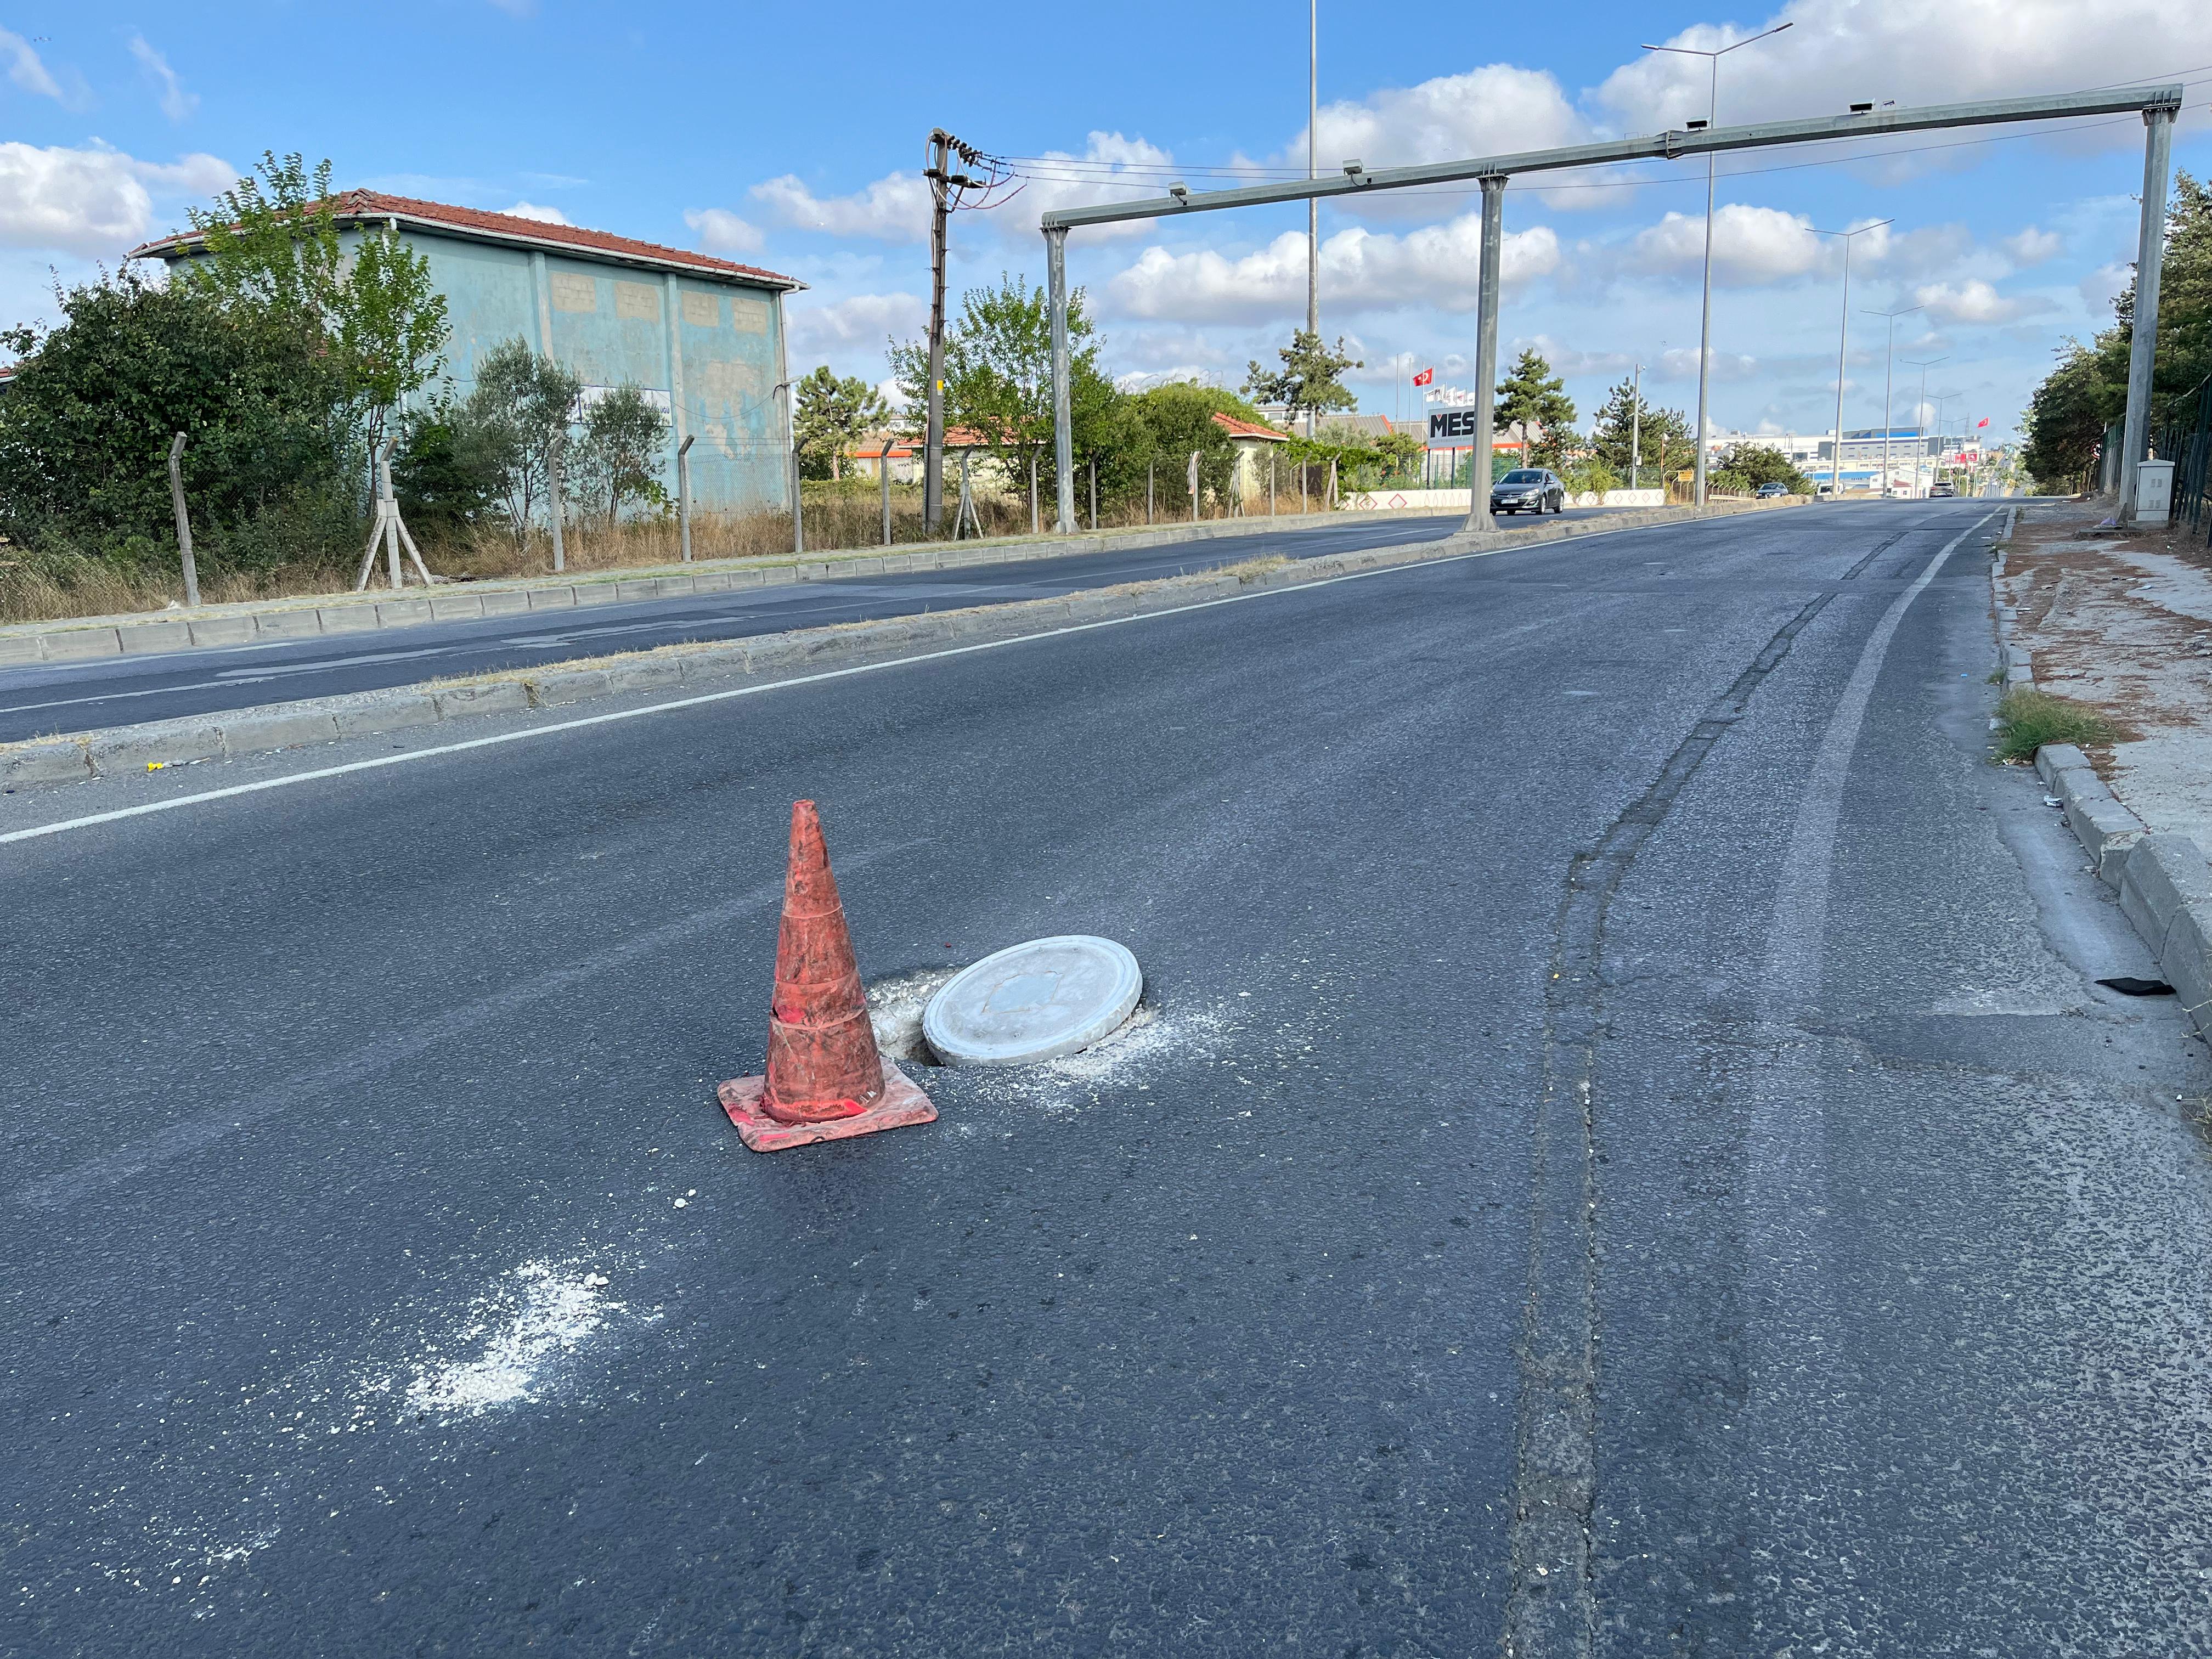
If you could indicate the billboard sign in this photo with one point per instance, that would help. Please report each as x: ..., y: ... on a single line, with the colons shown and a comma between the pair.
x: 1451, y: 429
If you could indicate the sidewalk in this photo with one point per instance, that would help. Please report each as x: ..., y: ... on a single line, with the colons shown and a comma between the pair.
x: 2123, y: 622
x: 305, y: 616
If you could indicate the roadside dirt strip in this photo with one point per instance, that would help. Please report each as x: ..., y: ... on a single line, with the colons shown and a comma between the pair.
x: 709, y: 668
x: 2119, y: 622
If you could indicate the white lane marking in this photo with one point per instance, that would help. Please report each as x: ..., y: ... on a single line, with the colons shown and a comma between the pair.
x: 378, y: 762
x: 227, y: 678
x: 318, y: 666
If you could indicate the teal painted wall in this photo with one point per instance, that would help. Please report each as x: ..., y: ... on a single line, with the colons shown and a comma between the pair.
x: 706, y: 349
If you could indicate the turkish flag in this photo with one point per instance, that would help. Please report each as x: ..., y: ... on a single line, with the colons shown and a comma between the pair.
x: 1983, y: 421
x: 1429, y: 374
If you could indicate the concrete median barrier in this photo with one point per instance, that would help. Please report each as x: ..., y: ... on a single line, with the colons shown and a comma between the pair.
x: 76, y: 757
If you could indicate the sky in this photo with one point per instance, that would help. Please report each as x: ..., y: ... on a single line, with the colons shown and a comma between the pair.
x: 792, y: 139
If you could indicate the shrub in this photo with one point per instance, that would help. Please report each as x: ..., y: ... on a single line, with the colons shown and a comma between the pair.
x: 2028, y: 720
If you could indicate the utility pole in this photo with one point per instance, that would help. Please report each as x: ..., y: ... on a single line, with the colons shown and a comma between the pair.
x: 949, y: 190
x: 1705, y: 327
x: 1842, y: 350
x: 932, y: 452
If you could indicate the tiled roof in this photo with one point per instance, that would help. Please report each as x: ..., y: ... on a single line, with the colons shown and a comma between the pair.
x: 1242, y: 429
x: 358, y: 204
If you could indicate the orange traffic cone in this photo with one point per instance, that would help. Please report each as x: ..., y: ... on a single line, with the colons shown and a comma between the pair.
x: 826, y: 1079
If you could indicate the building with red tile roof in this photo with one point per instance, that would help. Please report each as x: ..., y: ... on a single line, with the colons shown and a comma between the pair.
x: 703, y: 336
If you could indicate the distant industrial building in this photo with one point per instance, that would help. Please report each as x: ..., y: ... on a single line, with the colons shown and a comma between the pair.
x: 703, y: 338
x: 1910, y: 451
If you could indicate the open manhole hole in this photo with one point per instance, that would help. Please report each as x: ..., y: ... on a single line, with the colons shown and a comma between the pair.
x: 1032, y: 1002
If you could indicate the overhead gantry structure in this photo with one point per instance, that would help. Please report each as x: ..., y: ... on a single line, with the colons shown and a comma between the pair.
x: 2158, y: 106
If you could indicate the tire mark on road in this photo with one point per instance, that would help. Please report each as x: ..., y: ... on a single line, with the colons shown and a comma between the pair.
x: 1550, y: 1608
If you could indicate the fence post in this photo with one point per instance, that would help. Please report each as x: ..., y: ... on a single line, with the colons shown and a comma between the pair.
x: 391, y: 513
x: 1148, y: 491
x: 1192, y: 477
x: 1034, y: 525
x: 884, y: 471
x: 1271, y: 483
x: 183, y: 520
x: 798, y: 508
x: 684, y: 493
x: 553, y: 480
x: 1332, y: 483
x: 1094, y: 492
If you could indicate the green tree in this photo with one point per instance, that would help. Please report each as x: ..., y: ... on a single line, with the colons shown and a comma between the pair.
x: 446, y: 476
x: 273, y: 244
x: 997, y: 379
x: 1311, y: 379
x: 1534, y: 399
x: 270, y: 472
x: 831, y: 414
x: 1747, y: 466
x: 2088, y: 388
x: 2066, y: 417
x: 518, y: 416
x: 618, y: 457
x: 1620, y: 437
x: 1164, y: 427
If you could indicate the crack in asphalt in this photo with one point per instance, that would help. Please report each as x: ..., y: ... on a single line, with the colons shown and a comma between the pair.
x: 1551, y: 1607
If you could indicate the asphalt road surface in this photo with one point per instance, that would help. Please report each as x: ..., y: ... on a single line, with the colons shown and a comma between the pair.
x: 1629, y: 1151
x: 110, y: 691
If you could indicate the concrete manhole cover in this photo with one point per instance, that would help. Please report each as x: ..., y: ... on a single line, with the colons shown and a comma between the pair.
x: 1033, y: 1001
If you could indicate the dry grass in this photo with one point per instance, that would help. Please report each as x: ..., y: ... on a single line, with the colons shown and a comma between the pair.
x: 51, y: 588
x: 40, y: 587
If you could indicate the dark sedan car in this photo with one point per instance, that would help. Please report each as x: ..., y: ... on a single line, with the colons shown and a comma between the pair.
x: 1529, y: 490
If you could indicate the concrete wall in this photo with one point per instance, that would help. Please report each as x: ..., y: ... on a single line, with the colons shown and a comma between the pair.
x: 706, y: 348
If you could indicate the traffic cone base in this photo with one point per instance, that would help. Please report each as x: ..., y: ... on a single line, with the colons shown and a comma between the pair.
x: 900, y: 1104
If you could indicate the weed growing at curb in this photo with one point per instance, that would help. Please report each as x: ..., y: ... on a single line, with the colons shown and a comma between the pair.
x: 2028, y: 720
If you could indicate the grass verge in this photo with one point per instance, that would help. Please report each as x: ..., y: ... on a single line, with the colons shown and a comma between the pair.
x: 2028, y: 720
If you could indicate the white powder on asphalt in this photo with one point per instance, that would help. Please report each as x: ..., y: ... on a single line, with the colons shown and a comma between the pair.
x: 517, y: 1337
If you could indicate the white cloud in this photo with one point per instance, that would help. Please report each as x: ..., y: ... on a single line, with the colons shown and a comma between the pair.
x: 1973, y: 301
x: 2104, y: 285
x: 544, y: 215
x: 1751, y: 245
x: 721, y: 231
x: 1914, y: 53
x: 894, y: 209
x: 2033, y: 246
x: 1681, y: 363
x: 1360, y: 271
x: 1483, y: 112
x: 1480, y: 112
x: 92, y: 202
x: 27, y: 69
x: 862, y: 322
x: 176, y: 103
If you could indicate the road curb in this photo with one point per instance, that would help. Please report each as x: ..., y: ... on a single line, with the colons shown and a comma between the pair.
x: 255, y: 622
x: 78, y: 756
x: 2164, y: 881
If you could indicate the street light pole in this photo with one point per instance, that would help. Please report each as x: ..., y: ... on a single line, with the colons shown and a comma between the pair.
x: 1889, y: 357
x: 1919, y: 429
x: 1843, y: 350
x: 1705, y: 324
x: 1635, y: 427
x: 1313, y: 155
